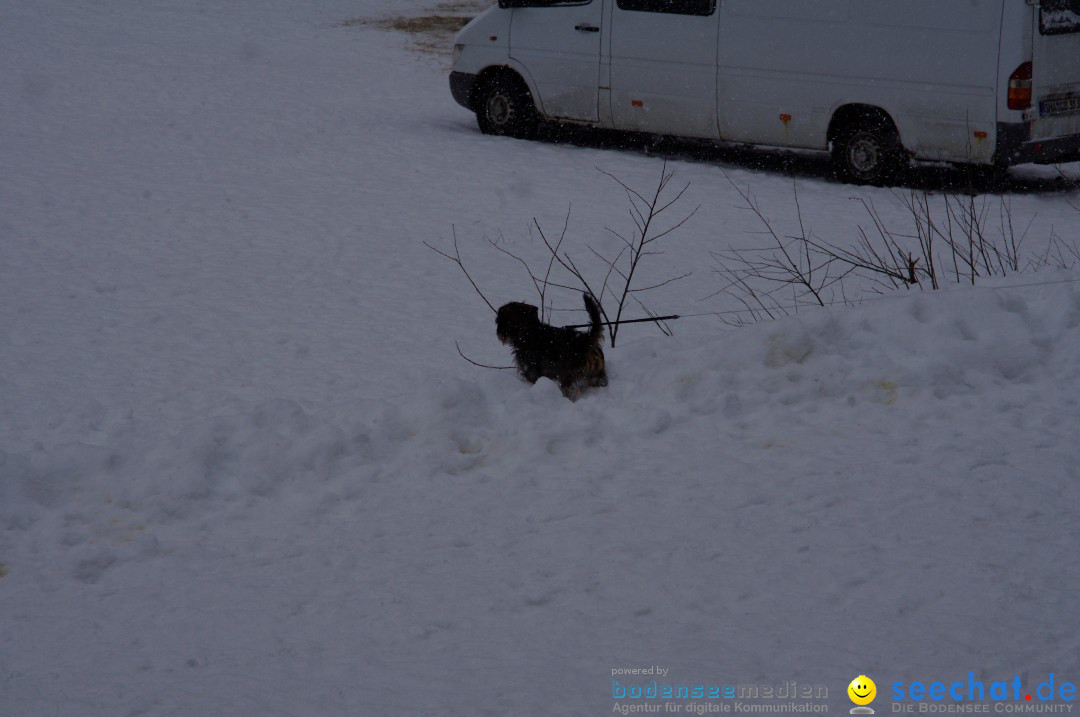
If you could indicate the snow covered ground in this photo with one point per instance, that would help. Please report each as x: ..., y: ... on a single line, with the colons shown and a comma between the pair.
x: 243, y: 470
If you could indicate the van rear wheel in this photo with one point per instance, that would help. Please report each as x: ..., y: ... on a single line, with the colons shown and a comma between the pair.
x: 868, y: 153
x: 505, y: 108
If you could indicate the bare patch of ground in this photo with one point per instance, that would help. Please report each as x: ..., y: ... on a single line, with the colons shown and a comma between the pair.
x: 429, y: 33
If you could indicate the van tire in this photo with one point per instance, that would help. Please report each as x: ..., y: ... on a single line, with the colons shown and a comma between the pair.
x: 504, y: 107
x: 868, y: 152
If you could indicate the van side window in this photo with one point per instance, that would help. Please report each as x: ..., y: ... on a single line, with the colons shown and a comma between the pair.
x: 541, y: 3
x: 675, y: 7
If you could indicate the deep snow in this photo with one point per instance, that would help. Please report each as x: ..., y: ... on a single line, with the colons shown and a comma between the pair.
x: 244, y: 471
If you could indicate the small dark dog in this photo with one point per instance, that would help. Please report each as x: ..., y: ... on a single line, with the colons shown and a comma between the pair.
x: 570, y: 358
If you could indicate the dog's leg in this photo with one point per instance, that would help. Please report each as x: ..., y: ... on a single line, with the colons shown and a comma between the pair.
x: 530, y: 373
x: 571, y: 386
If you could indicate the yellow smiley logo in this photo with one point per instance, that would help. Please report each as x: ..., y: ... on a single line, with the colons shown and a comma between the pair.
x: 862, y: 690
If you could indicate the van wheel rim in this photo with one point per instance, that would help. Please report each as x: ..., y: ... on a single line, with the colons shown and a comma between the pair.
x: 864, y: 155
x: 500, y: 109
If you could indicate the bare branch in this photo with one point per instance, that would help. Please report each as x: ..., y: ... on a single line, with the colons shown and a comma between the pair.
x: 662, y: 283
x: 456, y: 258
x: 481, y: 365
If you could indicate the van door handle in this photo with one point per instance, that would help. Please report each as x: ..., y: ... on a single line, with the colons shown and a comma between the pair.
x: 586, y: 28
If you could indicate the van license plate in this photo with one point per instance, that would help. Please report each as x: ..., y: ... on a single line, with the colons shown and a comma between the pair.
x: 1061, y: 106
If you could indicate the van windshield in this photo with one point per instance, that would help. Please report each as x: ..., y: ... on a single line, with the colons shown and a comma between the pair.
x: 1057, y: 17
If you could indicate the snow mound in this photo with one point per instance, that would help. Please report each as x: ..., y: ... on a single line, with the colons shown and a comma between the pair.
x: 481, y: 512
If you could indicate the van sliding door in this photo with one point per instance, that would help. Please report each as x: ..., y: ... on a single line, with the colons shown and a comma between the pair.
x: 663, y: 66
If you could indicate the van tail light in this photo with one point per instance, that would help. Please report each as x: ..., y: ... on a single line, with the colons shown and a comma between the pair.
x: 1020, y: 87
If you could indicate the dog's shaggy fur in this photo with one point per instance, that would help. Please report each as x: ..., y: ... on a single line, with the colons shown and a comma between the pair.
x: 570, y: 358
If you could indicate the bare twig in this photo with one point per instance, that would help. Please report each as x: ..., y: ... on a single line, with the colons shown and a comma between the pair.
x: 562, y: 271
x: 456, y: 258
x: 481, y: 365
x: 807, y: 267
x: 670, y: 317
x: 644, y: 212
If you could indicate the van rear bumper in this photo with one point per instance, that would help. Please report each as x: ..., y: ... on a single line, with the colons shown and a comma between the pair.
x: 1014, y: 146
x: 461, y: 86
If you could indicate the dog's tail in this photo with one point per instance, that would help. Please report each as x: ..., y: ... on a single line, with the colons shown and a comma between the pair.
x: 596, y: 332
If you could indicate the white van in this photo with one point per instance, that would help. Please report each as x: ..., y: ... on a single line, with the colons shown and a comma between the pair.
x: 877, y: 82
